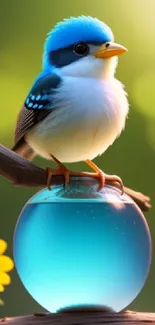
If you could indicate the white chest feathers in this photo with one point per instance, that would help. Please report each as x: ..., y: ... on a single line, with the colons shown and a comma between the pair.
x: 88, y: 115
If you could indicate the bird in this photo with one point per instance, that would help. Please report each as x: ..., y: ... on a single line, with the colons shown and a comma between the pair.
x: 76, y: 108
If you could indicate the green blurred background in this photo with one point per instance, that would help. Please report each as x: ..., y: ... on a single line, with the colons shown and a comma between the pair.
x: 23, y: 27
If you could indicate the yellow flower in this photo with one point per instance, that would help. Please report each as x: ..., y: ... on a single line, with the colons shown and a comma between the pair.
x: 6, y: 265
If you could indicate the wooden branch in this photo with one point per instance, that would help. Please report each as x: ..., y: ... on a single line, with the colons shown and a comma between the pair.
x: 22, y: 172
x: 83, y: 318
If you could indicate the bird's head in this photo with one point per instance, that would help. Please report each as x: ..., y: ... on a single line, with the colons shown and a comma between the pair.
x: 82, y: 47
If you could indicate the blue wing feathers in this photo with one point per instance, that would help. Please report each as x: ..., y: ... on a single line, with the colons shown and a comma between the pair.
x: 39, y: 96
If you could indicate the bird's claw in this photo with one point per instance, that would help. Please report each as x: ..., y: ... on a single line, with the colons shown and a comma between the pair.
x: 104, y: 178
x: 58, y: 171
x: 113, y: 179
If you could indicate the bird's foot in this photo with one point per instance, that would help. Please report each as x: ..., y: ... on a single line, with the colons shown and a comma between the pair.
x: 61, y: 170
x: 104, y: 178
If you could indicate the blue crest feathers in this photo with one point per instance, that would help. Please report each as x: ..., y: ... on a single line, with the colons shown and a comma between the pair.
x: 75, y: 29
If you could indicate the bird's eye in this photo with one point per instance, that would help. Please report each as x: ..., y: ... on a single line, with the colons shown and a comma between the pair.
x: 81, y: 48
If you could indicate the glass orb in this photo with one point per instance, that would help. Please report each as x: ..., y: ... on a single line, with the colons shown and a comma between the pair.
x: 81, y: 247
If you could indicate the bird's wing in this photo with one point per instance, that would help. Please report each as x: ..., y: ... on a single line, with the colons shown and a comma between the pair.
x: 36, y: 107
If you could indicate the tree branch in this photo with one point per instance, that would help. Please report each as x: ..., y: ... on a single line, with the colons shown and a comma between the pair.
x: 84, y: 318
x: 22, y: 172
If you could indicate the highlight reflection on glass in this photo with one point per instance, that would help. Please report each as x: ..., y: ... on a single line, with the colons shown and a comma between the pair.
x: 82, y: 247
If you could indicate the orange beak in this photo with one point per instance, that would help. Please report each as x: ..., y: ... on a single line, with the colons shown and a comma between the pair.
x: 110, y: 49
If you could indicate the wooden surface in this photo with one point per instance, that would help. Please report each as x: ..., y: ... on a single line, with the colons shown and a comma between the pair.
x: 22, y: 172
x: 83, y: 318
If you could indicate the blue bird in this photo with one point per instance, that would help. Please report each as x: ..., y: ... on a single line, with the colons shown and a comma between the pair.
x: 75, y: 108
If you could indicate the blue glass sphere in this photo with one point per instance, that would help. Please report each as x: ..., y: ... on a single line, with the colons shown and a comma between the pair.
x: 81, y: 247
